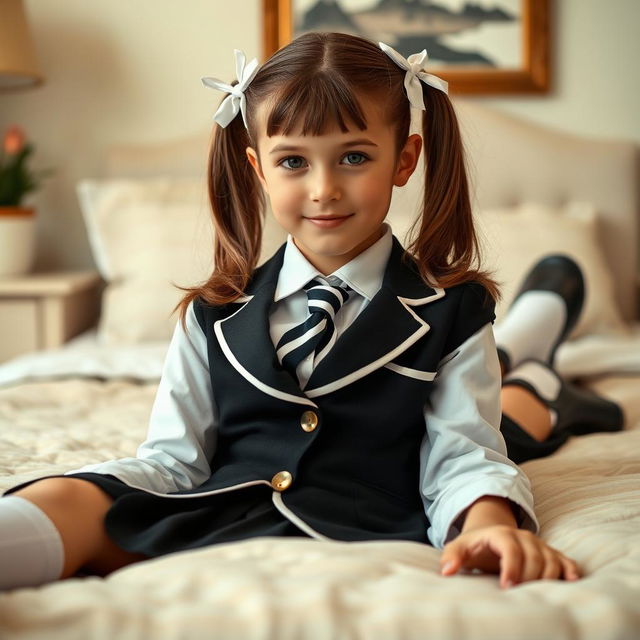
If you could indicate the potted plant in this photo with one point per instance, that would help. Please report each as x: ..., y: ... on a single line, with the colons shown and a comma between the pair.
x: 17, y: 222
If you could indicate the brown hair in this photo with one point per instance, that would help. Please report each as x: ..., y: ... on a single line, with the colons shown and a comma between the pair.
x: 334, y: 69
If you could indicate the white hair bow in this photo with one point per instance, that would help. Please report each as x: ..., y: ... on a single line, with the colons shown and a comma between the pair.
x: 414, y: 65
x: 235, y: 102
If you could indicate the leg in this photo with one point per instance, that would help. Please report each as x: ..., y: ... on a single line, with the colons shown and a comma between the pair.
x: 540, y: 411
x: 77, y: 508
x: 526, y: 426
x: 543, y: 312
x: 524, y: 408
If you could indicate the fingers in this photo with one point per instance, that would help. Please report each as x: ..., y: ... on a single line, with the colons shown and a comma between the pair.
x: 552, y: 567
x: 517, y: 555
x: 537, y: 561
x: 535, y: 557
x: 512, y: 559
x: 570, y: 568
x: 452, y: 558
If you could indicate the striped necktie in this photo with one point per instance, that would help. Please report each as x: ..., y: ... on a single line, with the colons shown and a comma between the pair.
x: 317, y: 334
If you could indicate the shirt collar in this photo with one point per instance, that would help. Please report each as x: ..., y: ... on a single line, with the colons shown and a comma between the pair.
x: 363, y: 274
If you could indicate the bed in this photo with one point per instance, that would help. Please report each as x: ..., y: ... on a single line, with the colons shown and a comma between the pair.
x: 535, y: 190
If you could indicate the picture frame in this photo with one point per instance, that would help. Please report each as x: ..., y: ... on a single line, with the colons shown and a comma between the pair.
x: 468, y: 68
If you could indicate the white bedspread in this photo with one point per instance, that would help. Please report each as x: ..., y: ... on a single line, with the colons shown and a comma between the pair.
x: 587, y: 498
x: 84, y: 356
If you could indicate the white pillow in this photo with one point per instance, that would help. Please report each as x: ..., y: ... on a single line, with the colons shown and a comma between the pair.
x: 513, y: 239
x: 145, y: 235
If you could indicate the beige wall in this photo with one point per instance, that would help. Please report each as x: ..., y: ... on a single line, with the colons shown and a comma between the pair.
x: 595, y: 78
x: 124, y: 71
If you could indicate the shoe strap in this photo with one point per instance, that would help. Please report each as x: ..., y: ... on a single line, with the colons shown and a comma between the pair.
x: 538, y: 377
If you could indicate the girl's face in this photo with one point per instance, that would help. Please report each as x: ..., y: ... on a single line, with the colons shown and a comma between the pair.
x: 332, y: 192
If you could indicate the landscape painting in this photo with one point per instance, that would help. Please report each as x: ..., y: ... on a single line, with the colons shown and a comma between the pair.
x: 485, y: 46
x: 454, y: 32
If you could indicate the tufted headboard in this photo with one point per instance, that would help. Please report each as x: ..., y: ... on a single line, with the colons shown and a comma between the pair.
x: 510, y: 160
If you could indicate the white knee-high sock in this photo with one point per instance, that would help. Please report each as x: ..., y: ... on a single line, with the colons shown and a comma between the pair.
x: 532, y: 326
x: 31, y: 550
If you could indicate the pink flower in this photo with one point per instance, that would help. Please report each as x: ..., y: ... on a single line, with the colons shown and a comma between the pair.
x: 14, y: 140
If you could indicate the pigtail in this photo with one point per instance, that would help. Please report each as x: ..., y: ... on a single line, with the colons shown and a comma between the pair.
x: 237, y: 207
x: 446, y: 245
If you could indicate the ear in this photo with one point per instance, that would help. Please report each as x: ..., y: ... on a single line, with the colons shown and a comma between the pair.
x: 254, y: 161
x: 408, y: 160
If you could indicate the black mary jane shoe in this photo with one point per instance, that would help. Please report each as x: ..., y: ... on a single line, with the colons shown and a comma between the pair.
x: 560, y: 274
x: 579, y: 410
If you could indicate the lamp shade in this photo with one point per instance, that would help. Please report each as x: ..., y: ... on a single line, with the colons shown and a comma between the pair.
x: 18, y: 64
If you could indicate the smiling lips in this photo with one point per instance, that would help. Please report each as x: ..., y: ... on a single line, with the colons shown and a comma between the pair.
x: 329, y: 221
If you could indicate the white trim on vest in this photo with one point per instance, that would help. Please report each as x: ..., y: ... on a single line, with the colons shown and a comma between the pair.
x: 376, y: 364
x: 411, y: 373
x: 292, y: 517
x: 414, y: 302
x: 265, y: 388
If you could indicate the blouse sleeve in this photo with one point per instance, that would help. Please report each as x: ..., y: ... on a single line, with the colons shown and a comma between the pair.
x: 464, y: 455
x: 182, y: 431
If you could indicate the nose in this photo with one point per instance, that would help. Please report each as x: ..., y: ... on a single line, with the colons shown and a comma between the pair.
x: 324, y: 186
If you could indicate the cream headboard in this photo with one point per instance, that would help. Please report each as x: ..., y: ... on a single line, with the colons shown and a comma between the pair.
x: 509, y: 160
x: 512, y: 160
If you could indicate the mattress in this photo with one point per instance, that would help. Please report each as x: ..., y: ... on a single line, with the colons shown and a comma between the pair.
x: 86, y: 403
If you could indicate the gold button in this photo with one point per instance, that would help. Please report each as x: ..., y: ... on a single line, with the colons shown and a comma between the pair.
x: 309, y: 421
x: 281, y: 481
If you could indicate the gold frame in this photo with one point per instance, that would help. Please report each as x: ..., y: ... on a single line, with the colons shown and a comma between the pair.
x: 534, y: 77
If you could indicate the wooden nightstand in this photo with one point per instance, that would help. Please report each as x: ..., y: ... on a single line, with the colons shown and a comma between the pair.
x: 44, y: 310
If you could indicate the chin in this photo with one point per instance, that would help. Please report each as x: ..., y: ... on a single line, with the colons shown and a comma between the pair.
x: 332, y: 246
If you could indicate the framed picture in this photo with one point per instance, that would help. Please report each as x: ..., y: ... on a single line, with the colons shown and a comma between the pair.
x: 481, y: 47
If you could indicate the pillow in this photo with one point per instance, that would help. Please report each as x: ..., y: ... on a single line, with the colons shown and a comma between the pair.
x: 513, y: 239
x: 145, y: 235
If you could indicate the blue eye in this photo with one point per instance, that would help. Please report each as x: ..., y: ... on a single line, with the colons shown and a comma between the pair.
x: 290, y: 158
x: 357, y: 153
x: 293, y: 163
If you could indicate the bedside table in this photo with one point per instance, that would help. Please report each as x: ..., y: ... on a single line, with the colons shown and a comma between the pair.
x: 44, y: 310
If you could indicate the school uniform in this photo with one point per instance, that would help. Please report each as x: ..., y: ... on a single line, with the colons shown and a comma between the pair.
x: 392, y: 436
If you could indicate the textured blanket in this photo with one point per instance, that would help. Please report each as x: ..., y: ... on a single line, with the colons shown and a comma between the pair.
x: 587, y: 498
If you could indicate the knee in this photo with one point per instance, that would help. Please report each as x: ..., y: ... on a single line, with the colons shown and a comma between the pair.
x: 76, y: 507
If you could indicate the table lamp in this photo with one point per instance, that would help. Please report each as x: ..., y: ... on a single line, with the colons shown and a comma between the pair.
x: 18, y: 64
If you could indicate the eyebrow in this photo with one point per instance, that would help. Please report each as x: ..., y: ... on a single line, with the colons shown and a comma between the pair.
x: 349, y: 143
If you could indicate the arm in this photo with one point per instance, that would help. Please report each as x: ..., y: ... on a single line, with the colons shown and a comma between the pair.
x: 181, y: 436
x: 480, y: 502
x: 491, y: 541
x: 464, y: 455
x: 487, y: 511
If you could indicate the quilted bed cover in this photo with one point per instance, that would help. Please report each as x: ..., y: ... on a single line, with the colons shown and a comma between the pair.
x: 587, y: 497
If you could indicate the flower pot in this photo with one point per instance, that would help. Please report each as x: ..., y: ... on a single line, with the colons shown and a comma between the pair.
x: 17, y: 240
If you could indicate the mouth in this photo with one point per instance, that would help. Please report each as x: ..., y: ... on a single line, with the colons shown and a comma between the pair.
x: 329, y: 221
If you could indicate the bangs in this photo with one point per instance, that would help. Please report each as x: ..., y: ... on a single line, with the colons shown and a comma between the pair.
x: 323, y: 100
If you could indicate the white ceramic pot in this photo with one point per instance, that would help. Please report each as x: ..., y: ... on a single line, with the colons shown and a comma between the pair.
x: 17, y: 240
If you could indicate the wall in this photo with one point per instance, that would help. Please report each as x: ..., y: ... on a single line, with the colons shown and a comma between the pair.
x: 117, y: 72
x: 121, y: 72
x: 595, y: 81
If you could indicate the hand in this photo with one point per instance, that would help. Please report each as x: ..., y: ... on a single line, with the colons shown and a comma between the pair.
x: 516, y: 554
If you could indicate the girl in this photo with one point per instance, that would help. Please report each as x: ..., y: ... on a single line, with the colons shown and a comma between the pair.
x: 346, y: 389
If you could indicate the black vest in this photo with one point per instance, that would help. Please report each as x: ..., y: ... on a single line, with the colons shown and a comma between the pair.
x: 344, y: 454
